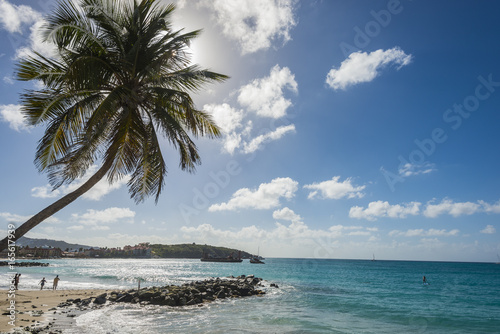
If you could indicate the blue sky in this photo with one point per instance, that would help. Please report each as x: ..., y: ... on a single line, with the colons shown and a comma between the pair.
x: 351, y: 128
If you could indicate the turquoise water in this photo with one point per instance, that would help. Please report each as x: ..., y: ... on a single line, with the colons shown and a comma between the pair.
x: 314, y: 296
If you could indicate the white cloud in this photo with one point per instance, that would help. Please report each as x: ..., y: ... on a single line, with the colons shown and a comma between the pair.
x: 409, y: 169
x: 8, y: 80
x: 423, y: 233
x: 384, y: 209
x: 13, y: 17
x: 109, y: 215
x: 267, y: 196
x: 75, y: 227
x: 45, y: 192
x: 262, y: 98
x: 36, y: 43
x: 231, y: 142
x: 294, y: 239
x: 11, y: 113
x: 286, y: 214
x: 227, y: 118
x: 266, y: 97
x: 333, y: 189
x: 257, y: 142
x: 97, y: 220
x: 489, y: 229
x: 254, y: 24
x: 490, y: 208
x: 449, y: 207
x: 15, y: 218
x: 96, y: 193
x: 364, y: 67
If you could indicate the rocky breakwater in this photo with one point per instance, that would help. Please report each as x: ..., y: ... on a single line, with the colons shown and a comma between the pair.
x: 23, y: 264
x: 180, y: 295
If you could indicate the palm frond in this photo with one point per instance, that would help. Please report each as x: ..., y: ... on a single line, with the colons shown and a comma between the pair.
x: 149, y: 177
x: 122, y: 78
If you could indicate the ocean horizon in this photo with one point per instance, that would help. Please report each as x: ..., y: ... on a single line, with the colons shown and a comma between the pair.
x: 314, y: 296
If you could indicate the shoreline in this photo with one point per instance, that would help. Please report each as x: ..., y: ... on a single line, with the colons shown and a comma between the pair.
x: 36, y: 308
x: 48, y: 311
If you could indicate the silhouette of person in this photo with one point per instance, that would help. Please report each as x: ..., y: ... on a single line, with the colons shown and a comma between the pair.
x: 42, y: 283
x: 56, y: 280
x: 16, y: 280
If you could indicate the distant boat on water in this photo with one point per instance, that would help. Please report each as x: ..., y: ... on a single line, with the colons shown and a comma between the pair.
x: 373, y: 257
x: 257, y: 259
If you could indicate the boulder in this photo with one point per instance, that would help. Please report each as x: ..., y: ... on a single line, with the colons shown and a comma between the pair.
x: 100, y: 300
x: 169, y: 301
x: 126, y: 298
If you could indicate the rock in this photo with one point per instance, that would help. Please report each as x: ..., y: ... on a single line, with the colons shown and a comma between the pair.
x: 170, y: 301
x: 99, y: 300
x: 104, y: 295
x: 126, y: 298
x: 113, y: 297
x: 189, y: 293
x: 245, y: 291
x: 85, y: 302
x: 37, y: 313
x: 146, y: 295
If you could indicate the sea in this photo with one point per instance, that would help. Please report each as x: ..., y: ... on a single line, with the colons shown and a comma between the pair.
x: 313, y: 296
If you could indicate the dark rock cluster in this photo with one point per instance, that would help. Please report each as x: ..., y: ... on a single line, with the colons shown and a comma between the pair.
x: 24, y: 264
x: 174, y: 295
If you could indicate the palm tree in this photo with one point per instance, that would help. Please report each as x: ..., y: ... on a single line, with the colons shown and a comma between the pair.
x: 121, y: 78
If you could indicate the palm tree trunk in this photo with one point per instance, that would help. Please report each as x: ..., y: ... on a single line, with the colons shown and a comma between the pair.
x: 58, y: 205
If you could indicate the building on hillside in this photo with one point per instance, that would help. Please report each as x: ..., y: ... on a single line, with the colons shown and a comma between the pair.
x: 94, y: 252
x: 40, y: 252
x: 140, y: 250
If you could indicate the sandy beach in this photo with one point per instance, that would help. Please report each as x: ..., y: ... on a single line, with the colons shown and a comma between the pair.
x: 29, y: 305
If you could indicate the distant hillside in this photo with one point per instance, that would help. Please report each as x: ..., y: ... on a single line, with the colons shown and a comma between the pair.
x: 186, y: 251
x: 24, y: 241
x: 193, y: 251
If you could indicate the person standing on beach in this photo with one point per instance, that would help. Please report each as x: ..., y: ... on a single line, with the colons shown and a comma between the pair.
x: 16, y: 280
x: 42, y: 283
x: 56, y: 280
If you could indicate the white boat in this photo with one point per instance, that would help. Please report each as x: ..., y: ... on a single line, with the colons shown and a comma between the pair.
x: 257, y: 259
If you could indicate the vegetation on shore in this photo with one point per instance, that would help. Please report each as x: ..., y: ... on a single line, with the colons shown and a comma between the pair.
x: 56, y: 249
x: 193, y: 251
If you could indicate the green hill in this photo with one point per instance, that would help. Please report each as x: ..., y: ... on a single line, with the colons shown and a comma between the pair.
x: 193, y: 251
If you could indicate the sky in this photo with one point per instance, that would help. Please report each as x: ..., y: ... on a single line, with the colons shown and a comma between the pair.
x: 351, y: 129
